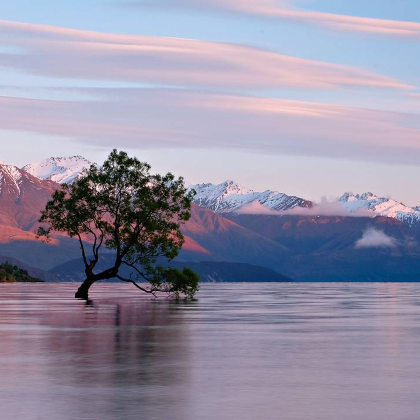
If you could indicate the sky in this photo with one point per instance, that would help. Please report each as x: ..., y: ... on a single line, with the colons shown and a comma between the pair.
x: 312, y: 98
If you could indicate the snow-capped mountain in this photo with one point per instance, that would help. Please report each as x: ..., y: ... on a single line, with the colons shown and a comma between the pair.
x: 230, y: 197
x: 381, y: 206
x: 10, y: 180
x: 21, y: 197
x: 59, y: 169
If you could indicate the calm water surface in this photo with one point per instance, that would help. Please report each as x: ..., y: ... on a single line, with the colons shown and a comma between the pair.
x: 243, y: 351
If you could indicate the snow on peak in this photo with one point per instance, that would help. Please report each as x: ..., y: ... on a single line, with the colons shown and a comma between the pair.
x: 226, y: 197
x: 59, y: 169
x: 231, y: 197
x: 10, y: 177
x: 382, y: 206
x: 12, y: 171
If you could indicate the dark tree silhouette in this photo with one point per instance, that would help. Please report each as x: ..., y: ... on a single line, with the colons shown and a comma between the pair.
x: 121, y: 207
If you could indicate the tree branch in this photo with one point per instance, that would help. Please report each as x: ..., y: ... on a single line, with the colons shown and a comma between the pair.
x: 137, y: 270
x: 82, y: 247
x: 151, y: 291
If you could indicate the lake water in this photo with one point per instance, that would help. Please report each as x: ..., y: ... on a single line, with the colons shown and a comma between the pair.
x: 240, y: 351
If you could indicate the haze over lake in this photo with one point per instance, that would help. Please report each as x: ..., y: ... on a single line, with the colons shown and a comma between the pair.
x: 243, y: 351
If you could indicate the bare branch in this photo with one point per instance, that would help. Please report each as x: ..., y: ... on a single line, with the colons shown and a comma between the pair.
x: 151, y: 291
x: 141, y: 274
x: 82, y: 247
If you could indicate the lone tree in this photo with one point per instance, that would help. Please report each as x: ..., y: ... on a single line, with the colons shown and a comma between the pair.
x: 137, y: 216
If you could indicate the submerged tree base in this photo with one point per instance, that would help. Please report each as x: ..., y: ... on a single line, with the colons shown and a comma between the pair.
x: 167, y: 280
x: 83, y: 290
x: 82, y: 294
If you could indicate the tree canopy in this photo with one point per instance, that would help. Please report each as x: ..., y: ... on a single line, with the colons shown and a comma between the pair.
x: 121, y: 208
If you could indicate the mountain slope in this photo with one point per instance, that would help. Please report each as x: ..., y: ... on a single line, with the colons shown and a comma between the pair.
x: 309, y: 234
x: 22, y: 196
x: 34, y: 272
x: 10, y: 273
x: 326, y: 248
x: 224, y: 240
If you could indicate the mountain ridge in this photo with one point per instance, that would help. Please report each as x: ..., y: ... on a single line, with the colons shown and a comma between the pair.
x: 230, y: 197
x: 302, y: 247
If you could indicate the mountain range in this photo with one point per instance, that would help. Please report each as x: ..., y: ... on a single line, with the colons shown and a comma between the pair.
x: 230, y: 197
x: 232, y: 231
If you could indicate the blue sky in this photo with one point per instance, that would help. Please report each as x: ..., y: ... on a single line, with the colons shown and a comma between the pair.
x: 307, y: 97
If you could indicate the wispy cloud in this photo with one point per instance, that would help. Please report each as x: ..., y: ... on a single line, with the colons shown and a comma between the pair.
x: 323, y: 208
x: 257, y: 208
x: 155, y: 118
x: 74, y: 54
x: 374, y: 238
x: 287, y: 10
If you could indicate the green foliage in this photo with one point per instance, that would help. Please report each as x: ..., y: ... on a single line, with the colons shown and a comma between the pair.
x: 185, y: 281
x: 176, y: 282
x: 11, y: 273
x: 138, y: 216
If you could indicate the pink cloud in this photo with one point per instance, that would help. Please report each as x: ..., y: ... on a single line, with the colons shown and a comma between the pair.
x: 323, y: 208
x: 257, y: 208
x: 68, y: 53
x: 286, y: 9
x: 156, y: 118
x: 342, y: 22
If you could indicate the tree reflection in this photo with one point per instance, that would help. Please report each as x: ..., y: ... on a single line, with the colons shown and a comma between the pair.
x: 113, y: 356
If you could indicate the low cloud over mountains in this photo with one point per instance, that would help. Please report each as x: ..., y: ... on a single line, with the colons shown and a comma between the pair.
x: 373, y: 238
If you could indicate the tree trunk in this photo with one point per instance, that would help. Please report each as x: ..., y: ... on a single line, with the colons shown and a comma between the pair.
x: 83, y: 290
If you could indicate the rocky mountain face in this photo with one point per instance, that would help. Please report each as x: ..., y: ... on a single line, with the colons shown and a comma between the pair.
x: 21, y: 198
